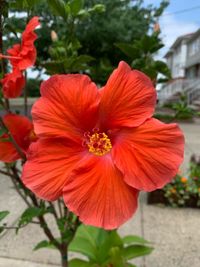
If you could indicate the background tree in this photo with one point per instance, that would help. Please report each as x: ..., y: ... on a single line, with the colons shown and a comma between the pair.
x: 91, y: 35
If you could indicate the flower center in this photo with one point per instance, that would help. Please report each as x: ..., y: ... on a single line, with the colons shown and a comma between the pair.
x: 98, y: 143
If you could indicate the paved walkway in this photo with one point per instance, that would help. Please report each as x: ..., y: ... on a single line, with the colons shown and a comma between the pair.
x: 175, y: 233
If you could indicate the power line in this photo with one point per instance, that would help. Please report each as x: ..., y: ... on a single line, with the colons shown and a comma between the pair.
x: 181, y: 11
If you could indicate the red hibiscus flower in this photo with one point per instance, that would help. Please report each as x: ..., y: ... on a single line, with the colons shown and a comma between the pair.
x: 97, y: 148
x: 12, y: 84
x: 21, y: 129
x: 23, y: 55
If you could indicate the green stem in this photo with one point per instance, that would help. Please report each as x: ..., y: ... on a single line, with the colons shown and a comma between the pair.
x: 26, y: 89
x: 59, y: 201
x: 3, y: 66
x: 44, y: 225
x: 64, y: 255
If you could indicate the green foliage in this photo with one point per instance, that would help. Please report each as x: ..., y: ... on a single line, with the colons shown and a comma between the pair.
x: 2, y: 131
x: 59, y: 7
x: 135, y: 251
x: 183, y: 112
x: 3, y: 215
x: 75, y: 6
x: 80, y: 263
x: 133, y: 239
x: 86, y: 23
x: 102, y: 33
x: 141, y: 53
x: 161, y: 8
x: 104, y: 248
x: 44, y: 244
x: 164, y: 117
x: 33, y: 86
x: 71, y: 64
x: 29, y: 214
x: 177, y: 192
x: 4, y: 8
x: 195, y: 168
x: 181, y: 109
x: 184, y: 191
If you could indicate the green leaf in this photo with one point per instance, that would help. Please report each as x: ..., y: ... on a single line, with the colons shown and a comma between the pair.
x: 32, y: 3
x: 2, y: 131
x: 98, y: 8
x: 78, y: 63
x: 59, y: 8
x: 24, y: 4
x: 44, y: 244
x: 133, y: 239
x: 53, y: 67
x: 3, y: 214
x: 116, y: 257
x: 162, y: 68
x: 128, y: 50
x: 135, y: 251
x: 96, y: 243
x: 5, y: 8
x: 10, y: 28
x: 85, y: 241
x: 30, y: 213
x: 76, y: 6
x: 105, y: 242
x: 80, y: 263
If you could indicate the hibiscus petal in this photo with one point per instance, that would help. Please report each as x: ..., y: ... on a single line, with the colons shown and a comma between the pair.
x: 28, y: 55
x: 28, y: 36
x: 128, y: 98
x: 97, y: 193
x: 14, y: 52
x: 49, y: 163
x: 20, y: 128
x: 13, y: 83
x: 25, y: 52
x: 150, y: 155
x: 68, y: 106
x: 8, y: 152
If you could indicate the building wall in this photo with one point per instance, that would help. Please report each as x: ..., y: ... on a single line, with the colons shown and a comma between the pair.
x: 176, y: 61
x: 193, y: 53
x: 193, y: 72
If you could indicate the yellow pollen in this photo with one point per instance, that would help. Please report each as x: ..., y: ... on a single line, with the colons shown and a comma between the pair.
x: 99, y: 144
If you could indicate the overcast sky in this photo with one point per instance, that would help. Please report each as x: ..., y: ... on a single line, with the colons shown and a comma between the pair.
x: 174, y: 24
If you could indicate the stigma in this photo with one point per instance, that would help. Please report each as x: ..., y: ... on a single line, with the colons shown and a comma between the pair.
x: 98, y: 144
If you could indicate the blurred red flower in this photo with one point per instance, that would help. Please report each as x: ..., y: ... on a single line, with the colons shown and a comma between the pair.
x: 97, y: 148
x: 21, y: 129
x: 12, y: 84
x: 23, y: 55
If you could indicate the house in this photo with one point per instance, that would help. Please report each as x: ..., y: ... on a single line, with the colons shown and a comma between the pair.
x: 183, y: 59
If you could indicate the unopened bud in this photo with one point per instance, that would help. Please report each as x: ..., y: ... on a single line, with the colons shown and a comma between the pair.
x: 54, y: 36
x: 156, y: 27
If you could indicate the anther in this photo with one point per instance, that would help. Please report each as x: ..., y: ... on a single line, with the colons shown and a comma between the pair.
x: 99, y: 144
x: 87, y: 134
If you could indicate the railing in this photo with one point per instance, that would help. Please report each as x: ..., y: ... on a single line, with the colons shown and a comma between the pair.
x: 191, y: 87
x: 171, y: 89
x: 193, y: 95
